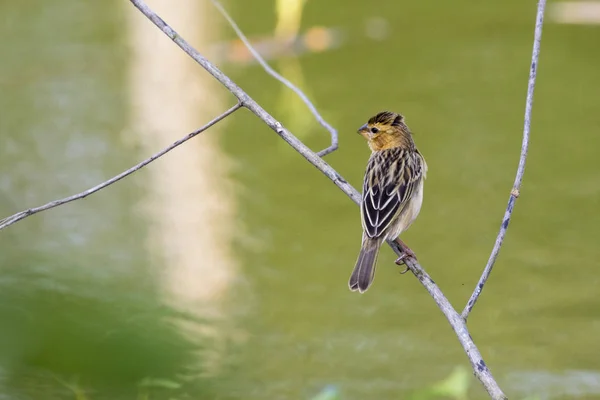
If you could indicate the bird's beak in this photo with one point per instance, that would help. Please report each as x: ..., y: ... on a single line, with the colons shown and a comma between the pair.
x: 364, y: 132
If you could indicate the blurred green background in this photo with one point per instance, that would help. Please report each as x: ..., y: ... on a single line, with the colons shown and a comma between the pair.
x: 109, y: 298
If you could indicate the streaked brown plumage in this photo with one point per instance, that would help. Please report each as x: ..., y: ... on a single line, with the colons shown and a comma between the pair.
x: 392, y: 191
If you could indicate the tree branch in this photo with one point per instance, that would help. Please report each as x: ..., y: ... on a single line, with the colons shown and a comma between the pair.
x: 247, y: 101
x: 26, y: 213
x: 457, y: 322
x: 514, y: 194
x: 479, y: 367
x: 459, y: 326
x: 334, y: 135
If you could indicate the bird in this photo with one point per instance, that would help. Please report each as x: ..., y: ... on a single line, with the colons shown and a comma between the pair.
x: 392, y: 192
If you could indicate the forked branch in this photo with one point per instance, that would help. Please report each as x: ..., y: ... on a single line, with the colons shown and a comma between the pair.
x: 479, y: 367
x: 334, y: 135
x: 457, y: 322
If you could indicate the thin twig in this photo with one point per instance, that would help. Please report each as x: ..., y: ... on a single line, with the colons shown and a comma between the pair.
x: 479, y: 368
x: 514, y: 194
x: 24, y: 214
x: 276, y: 75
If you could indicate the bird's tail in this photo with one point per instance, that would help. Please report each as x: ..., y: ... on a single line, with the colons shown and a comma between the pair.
x: 364, y: 271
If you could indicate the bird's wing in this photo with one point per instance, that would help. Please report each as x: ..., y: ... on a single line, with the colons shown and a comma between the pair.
x: 391, y: 179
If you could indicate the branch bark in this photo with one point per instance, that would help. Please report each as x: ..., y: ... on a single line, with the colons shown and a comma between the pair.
x: 514, y: 193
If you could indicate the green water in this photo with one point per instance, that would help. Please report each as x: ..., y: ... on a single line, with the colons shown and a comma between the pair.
x: 80, y: 304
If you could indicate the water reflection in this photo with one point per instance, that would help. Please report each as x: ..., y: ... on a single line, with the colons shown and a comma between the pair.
x: 111, y: 297
x: 191, y: 192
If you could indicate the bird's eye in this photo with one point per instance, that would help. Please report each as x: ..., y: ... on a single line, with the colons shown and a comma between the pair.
x: 374, y: 130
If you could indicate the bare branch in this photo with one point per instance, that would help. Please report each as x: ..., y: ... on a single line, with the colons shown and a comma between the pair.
x: 276, y: 75
x: 514, y: 194
x: 479, y: 367
x: 247, y: 101
x: 457, y: 322
x: 24, y: 214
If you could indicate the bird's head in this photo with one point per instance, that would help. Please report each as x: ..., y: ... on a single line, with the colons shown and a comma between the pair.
x: 387, y: 130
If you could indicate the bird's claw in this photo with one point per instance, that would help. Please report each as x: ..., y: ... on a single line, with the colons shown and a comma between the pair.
x: 400, y: 261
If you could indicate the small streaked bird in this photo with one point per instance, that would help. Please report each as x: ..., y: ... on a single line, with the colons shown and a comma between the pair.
x: 392, y: 192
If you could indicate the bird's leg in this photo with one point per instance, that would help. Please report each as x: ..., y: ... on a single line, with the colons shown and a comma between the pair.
x: 406, y: 253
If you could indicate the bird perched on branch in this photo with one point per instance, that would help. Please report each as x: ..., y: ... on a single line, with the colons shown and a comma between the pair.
x: 392, y: 192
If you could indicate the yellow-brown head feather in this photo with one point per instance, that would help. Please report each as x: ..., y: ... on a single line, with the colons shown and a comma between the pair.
x: 387, y: 130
